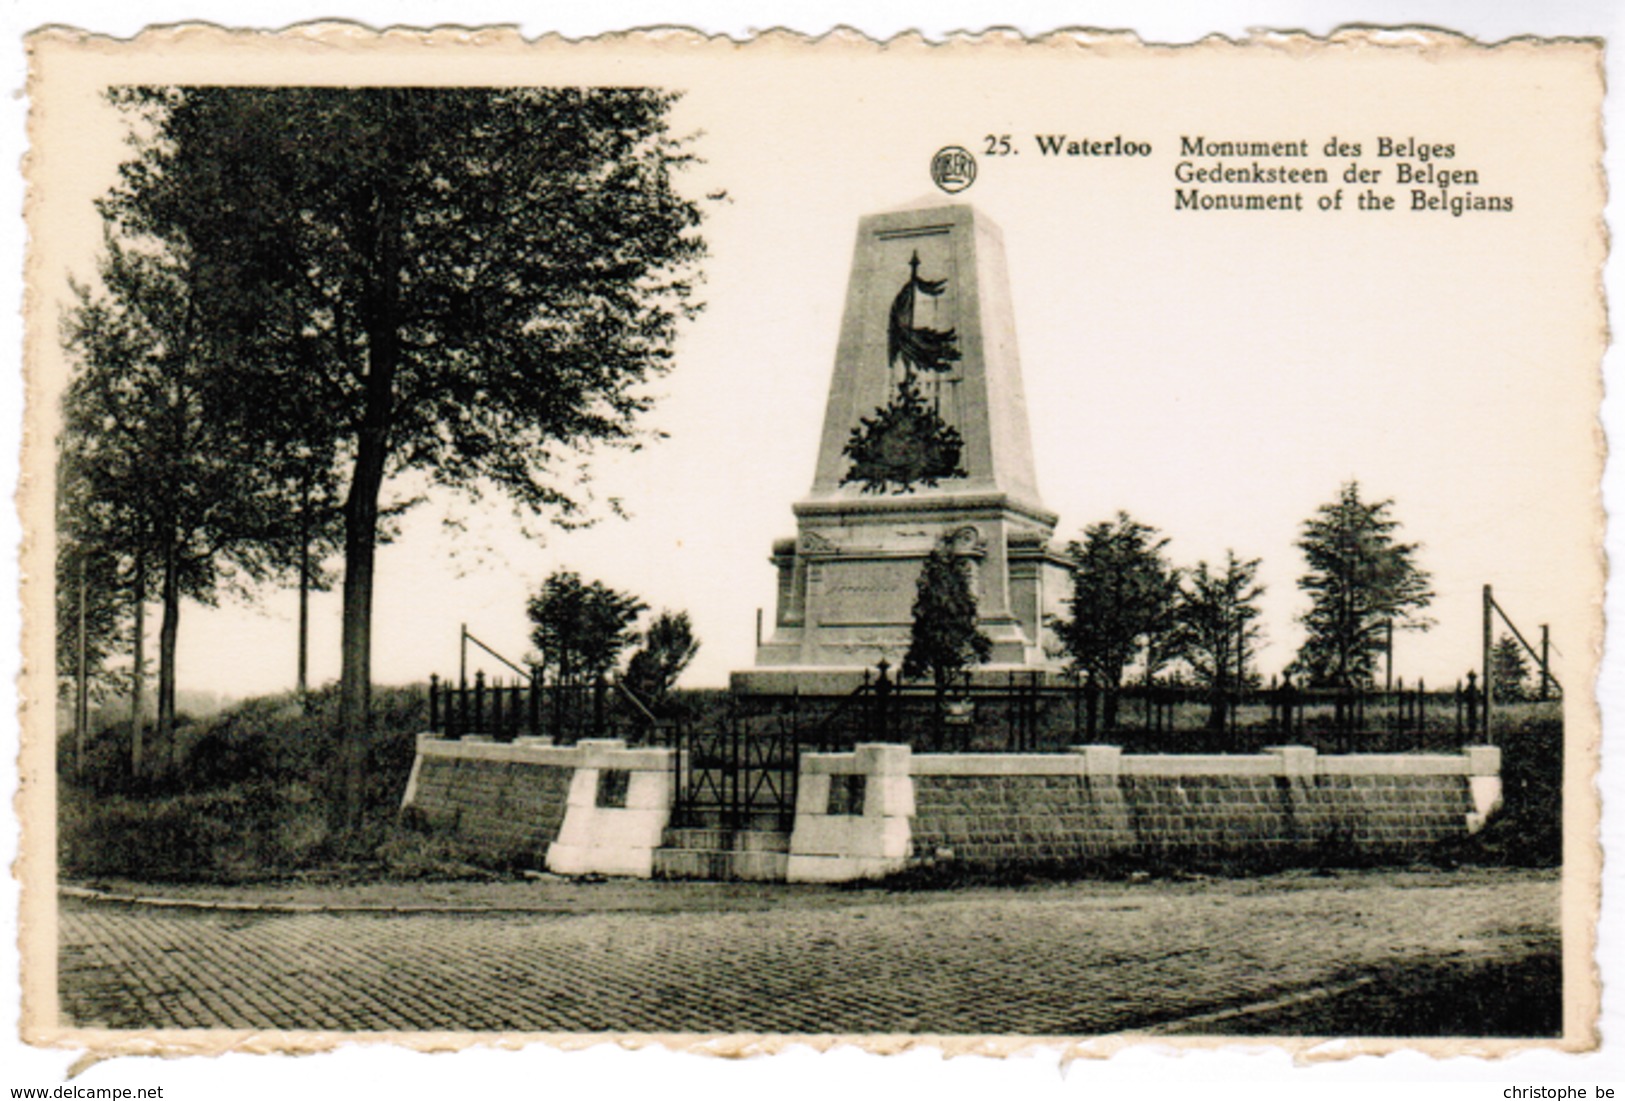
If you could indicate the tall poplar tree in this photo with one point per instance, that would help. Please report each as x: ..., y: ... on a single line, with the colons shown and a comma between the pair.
x: 473, y: 282
x: 155, y: 478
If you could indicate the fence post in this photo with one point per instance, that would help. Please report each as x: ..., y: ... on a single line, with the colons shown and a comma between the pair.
x: 1545, y: 662
x: 1488, y: 685
x: 535, y: 701
x: 1012, y: 720
x: 1472, y: 702
x: 731, y: 815
x: 1029, y: 715
x: 880, y: 724
x: 434, y: 703
x: 1035, y: 696
x: 479, y: 702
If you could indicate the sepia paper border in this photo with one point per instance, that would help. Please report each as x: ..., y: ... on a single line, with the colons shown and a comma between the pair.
x: 184, y: 52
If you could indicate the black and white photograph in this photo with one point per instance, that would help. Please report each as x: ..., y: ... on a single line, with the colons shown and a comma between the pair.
x: 980, y: 544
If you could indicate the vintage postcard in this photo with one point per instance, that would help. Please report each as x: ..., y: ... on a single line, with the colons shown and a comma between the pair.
x: 983, y: 544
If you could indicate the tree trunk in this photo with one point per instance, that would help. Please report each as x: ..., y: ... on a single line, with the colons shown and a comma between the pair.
x: 939, y: 695
x: 138, y: 682
x: 382, y: 318
x: 1221, y: 671
x: 355, y: 688
x: 301, y: 684
x: 80, y: 710
x: 168, y: 632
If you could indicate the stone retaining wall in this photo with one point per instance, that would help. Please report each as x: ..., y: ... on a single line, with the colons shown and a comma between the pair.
x: 599, y: 807
x: 595, y: 807
x: 987, y: 819
x: 1287, y: 803
x: 509, y: 800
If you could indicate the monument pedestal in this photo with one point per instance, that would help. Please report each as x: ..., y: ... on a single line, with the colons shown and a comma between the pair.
x: 925, y: 440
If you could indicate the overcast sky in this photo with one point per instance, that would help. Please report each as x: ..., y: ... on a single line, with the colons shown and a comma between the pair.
x: 1218, y: 375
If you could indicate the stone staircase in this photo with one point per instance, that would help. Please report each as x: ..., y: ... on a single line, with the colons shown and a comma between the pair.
x: 712, y: 852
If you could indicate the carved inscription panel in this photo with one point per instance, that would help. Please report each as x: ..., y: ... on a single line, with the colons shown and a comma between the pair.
x: 853, y: 593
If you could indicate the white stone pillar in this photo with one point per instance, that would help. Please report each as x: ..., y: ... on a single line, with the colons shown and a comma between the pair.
x: 855, y: 841
x: 615, y: 839
x: 1484, y: 781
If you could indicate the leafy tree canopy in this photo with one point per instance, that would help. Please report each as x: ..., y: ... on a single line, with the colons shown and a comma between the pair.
x: 468, y: 283
x: 581, y: 628
x: 483, y: 275
x: 156, y: 479
x: 668, y: 647
x: 1123, y: 598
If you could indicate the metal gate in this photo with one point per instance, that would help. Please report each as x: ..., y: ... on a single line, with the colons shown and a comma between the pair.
x: 734, y: 777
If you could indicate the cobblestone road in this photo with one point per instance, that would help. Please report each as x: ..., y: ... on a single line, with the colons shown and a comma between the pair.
x: 1074, y: 959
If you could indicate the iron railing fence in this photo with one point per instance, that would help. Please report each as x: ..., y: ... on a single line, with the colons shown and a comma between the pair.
x: 566, y: 713
x: 1018, y: 712
x: 1029, y: 713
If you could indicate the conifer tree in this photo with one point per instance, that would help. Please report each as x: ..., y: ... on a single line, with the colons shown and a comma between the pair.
x: 1360, y: 580
x: 1122, y: 603
x: 944, y: 640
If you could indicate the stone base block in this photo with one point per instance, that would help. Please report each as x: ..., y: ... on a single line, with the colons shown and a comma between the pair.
x: 698, y: 839
x: 825, y: 835
x: 755, y: 865
x: 1486, y: 796
x: 593, y: 860
x: 613, y: 828
x: 761, y: 841
x: 839, y: 869
x: 690, y: 864
x: 770, y: 867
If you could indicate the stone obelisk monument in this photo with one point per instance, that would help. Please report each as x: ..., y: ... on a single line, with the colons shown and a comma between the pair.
x: 925, y: 440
